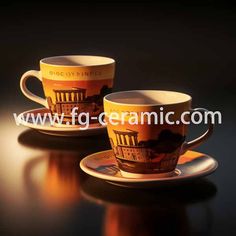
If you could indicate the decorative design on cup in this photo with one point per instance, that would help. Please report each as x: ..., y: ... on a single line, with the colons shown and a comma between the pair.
x: 158, y: 155
x: 65, y: 100
x: 70, y: 82
x: 146, y: 147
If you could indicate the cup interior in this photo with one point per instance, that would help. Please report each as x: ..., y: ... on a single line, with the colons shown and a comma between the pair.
x: 74, y: 60
x: 147, y: 97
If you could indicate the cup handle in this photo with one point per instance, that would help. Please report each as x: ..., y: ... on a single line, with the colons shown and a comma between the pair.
x: 196, y: 142
x: 26, y: 92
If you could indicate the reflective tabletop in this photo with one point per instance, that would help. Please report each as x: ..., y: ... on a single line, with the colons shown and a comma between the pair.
x: 44, y: 192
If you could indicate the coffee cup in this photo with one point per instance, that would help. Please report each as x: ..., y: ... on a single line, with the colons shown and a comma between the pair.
x: 144, y: 141
x: 69, y: 82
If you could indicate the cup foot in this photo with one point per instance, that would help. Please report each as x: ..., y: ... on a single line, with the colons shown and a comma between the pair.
x: 125, y: 174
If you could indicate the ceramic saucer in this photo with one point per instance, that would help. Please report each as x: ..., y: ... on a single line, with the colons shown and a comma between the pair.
x: 190, y: 166
x: 60, y: 130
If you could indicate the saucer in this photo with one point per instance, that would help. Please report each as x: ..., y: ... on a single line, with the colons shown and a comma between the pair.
x: 59, y: 130
x: 191, y: 165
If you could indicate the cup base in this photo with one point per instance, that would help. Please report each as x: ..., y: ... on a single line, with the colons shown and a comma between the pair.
x: 125, y: 174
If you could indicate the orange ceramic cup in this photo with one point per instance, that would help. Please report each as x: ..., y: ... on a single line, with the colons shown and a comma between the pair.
x: 72, y: 81
x: 141, y: 144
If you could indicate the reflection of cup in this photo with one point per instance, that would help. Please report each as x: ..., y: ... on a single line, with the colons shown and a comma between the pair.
x: 71, y: 82
x: 54, y: 178
x: 154, y: 210
x: 61, y: 182
x: 125, y: 221
x: 142, y: 139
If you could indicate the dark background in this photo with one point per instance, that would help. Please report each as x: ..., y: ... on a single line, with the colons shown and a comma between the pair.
x: 171, y: 45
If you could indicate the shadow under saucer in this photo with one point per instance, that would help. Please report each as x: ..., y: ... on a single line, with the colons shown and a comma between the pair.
x: 100, y: 191
x: 84, y: 145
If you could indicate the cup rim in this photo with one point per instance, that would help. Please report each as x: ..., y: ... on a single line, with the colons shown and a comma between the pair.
x: 107, y: 60
x: 108, y: 97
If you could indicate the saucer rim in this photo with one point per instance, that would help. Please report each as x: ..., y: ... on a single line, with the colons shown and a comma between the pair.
x: 54, y: 128
x: 181, y: 177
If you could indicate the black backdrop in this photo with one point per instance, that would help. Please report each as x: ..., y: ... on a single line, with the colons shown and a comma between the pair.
x: 170, y: 45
